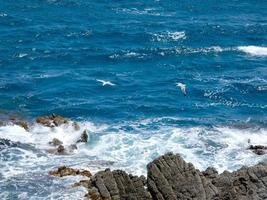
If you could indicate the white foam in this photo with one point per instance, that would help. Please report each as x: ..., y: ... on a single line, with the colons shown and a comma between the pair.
x: 254, y: 50
x: 221, y: 147
x: 169, y: 36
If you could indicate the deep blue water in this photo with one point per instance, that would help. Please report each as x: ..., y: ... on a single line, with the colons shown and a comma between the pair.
x: 52, y: 52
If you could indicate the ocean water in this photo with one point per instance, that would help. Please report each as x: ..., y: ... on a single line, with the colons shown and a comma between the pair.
x: 54, y: 52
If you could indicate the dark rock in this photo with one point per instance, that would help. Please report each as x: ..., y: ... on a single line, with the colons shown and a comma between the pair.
x: 67, y: 171
x: 117, y: 185
x: 171, y: 178
x: 84, y: 137
x: 61, y: 149
x: 55, y: 142
x: 52, y: 120
x: 258, y: 149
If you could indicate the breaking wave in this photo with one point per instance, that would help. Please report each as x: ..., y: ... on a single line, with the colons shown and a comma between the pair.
x: 254, y: 50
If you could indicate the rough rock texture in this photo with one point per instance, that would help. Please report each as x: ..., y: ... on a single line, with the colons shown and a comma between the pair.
x: 171, y: 178
x: 117, y: 185
x: 67, y: 171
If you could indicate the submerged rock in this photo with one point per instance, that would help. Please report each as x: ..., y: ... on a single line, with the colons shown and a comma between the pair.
x: 169, y: 177
x: 67, y: 171
x: 55, y: 142
x: 63, y: 150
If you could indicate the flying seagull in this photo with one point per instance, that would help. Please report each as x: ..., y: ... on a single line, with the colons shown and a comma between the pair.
x: 182, y: 87
x: 105, y: 82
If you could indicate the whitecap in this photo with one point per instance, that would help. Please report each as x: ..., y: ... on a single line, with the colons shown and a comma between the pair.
x: 253, y: 50
x: 22, y: 55
x: 169, y: 36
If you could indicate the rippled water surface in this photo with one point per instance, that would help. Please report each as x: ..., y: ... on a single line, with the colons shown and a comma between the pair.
x: 55, y: 53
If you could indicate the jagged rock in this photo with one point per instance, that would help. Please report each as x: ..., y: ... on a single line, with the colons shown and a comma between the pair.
x: 52, y: 120
x: 115, y: 185
x: 84, y: 137
x: 55, y: 142
x: 67, y: 171
x: 258, y: 149
x: 171, y: 178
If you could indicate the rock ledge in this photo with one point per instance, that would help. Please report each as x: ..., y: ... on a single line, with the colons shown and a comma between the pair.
x: 169, y: 177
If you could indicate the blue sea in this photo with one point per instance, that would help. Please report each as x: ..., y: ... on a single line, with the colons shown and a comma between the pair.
x: 55, y: 53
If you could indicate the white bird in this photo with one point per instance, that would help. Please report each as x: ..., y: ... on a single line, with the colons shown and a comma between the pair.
x: 182, y: 87
x: 105, y: 82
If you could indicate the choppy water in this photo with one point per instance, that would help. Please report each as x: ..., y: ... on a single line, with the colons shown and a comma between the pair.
x: 52, y: 52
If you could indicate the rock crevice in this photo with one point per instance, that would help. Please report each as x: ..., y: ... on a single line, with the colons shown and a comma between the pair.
x: 169, y: 177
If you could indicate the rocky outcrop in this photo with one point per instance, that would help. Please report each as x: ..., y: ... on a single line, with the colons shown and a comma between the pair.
x: 169, y: 177
x: 117, y: 185
x: 67, y: 171
x: 84, y: 137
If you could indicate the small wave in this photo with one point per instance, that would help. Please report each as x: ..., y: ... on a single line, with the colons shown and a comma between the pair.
x: 22, y: 55
x: 167, y: 36
x: 135, y: 11
x: 262, y: 88
x: 3, y: 14
x: 129, y: 54
x: 253, y: 50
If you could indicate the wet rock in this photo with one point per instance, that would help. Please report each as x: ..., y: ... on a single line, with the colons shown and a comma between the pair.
x: 52, y: 120
x: 62, y: 150
x: 19, y: 122
x: 67, y: 171
x: 55, y: 142
x: 84, y: 137
x: 169, y: 177
x: 258, y: 149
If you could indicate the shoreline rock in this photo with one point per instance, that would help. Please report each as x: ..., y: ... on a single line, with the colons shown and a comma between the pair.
x: 169, y: 177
